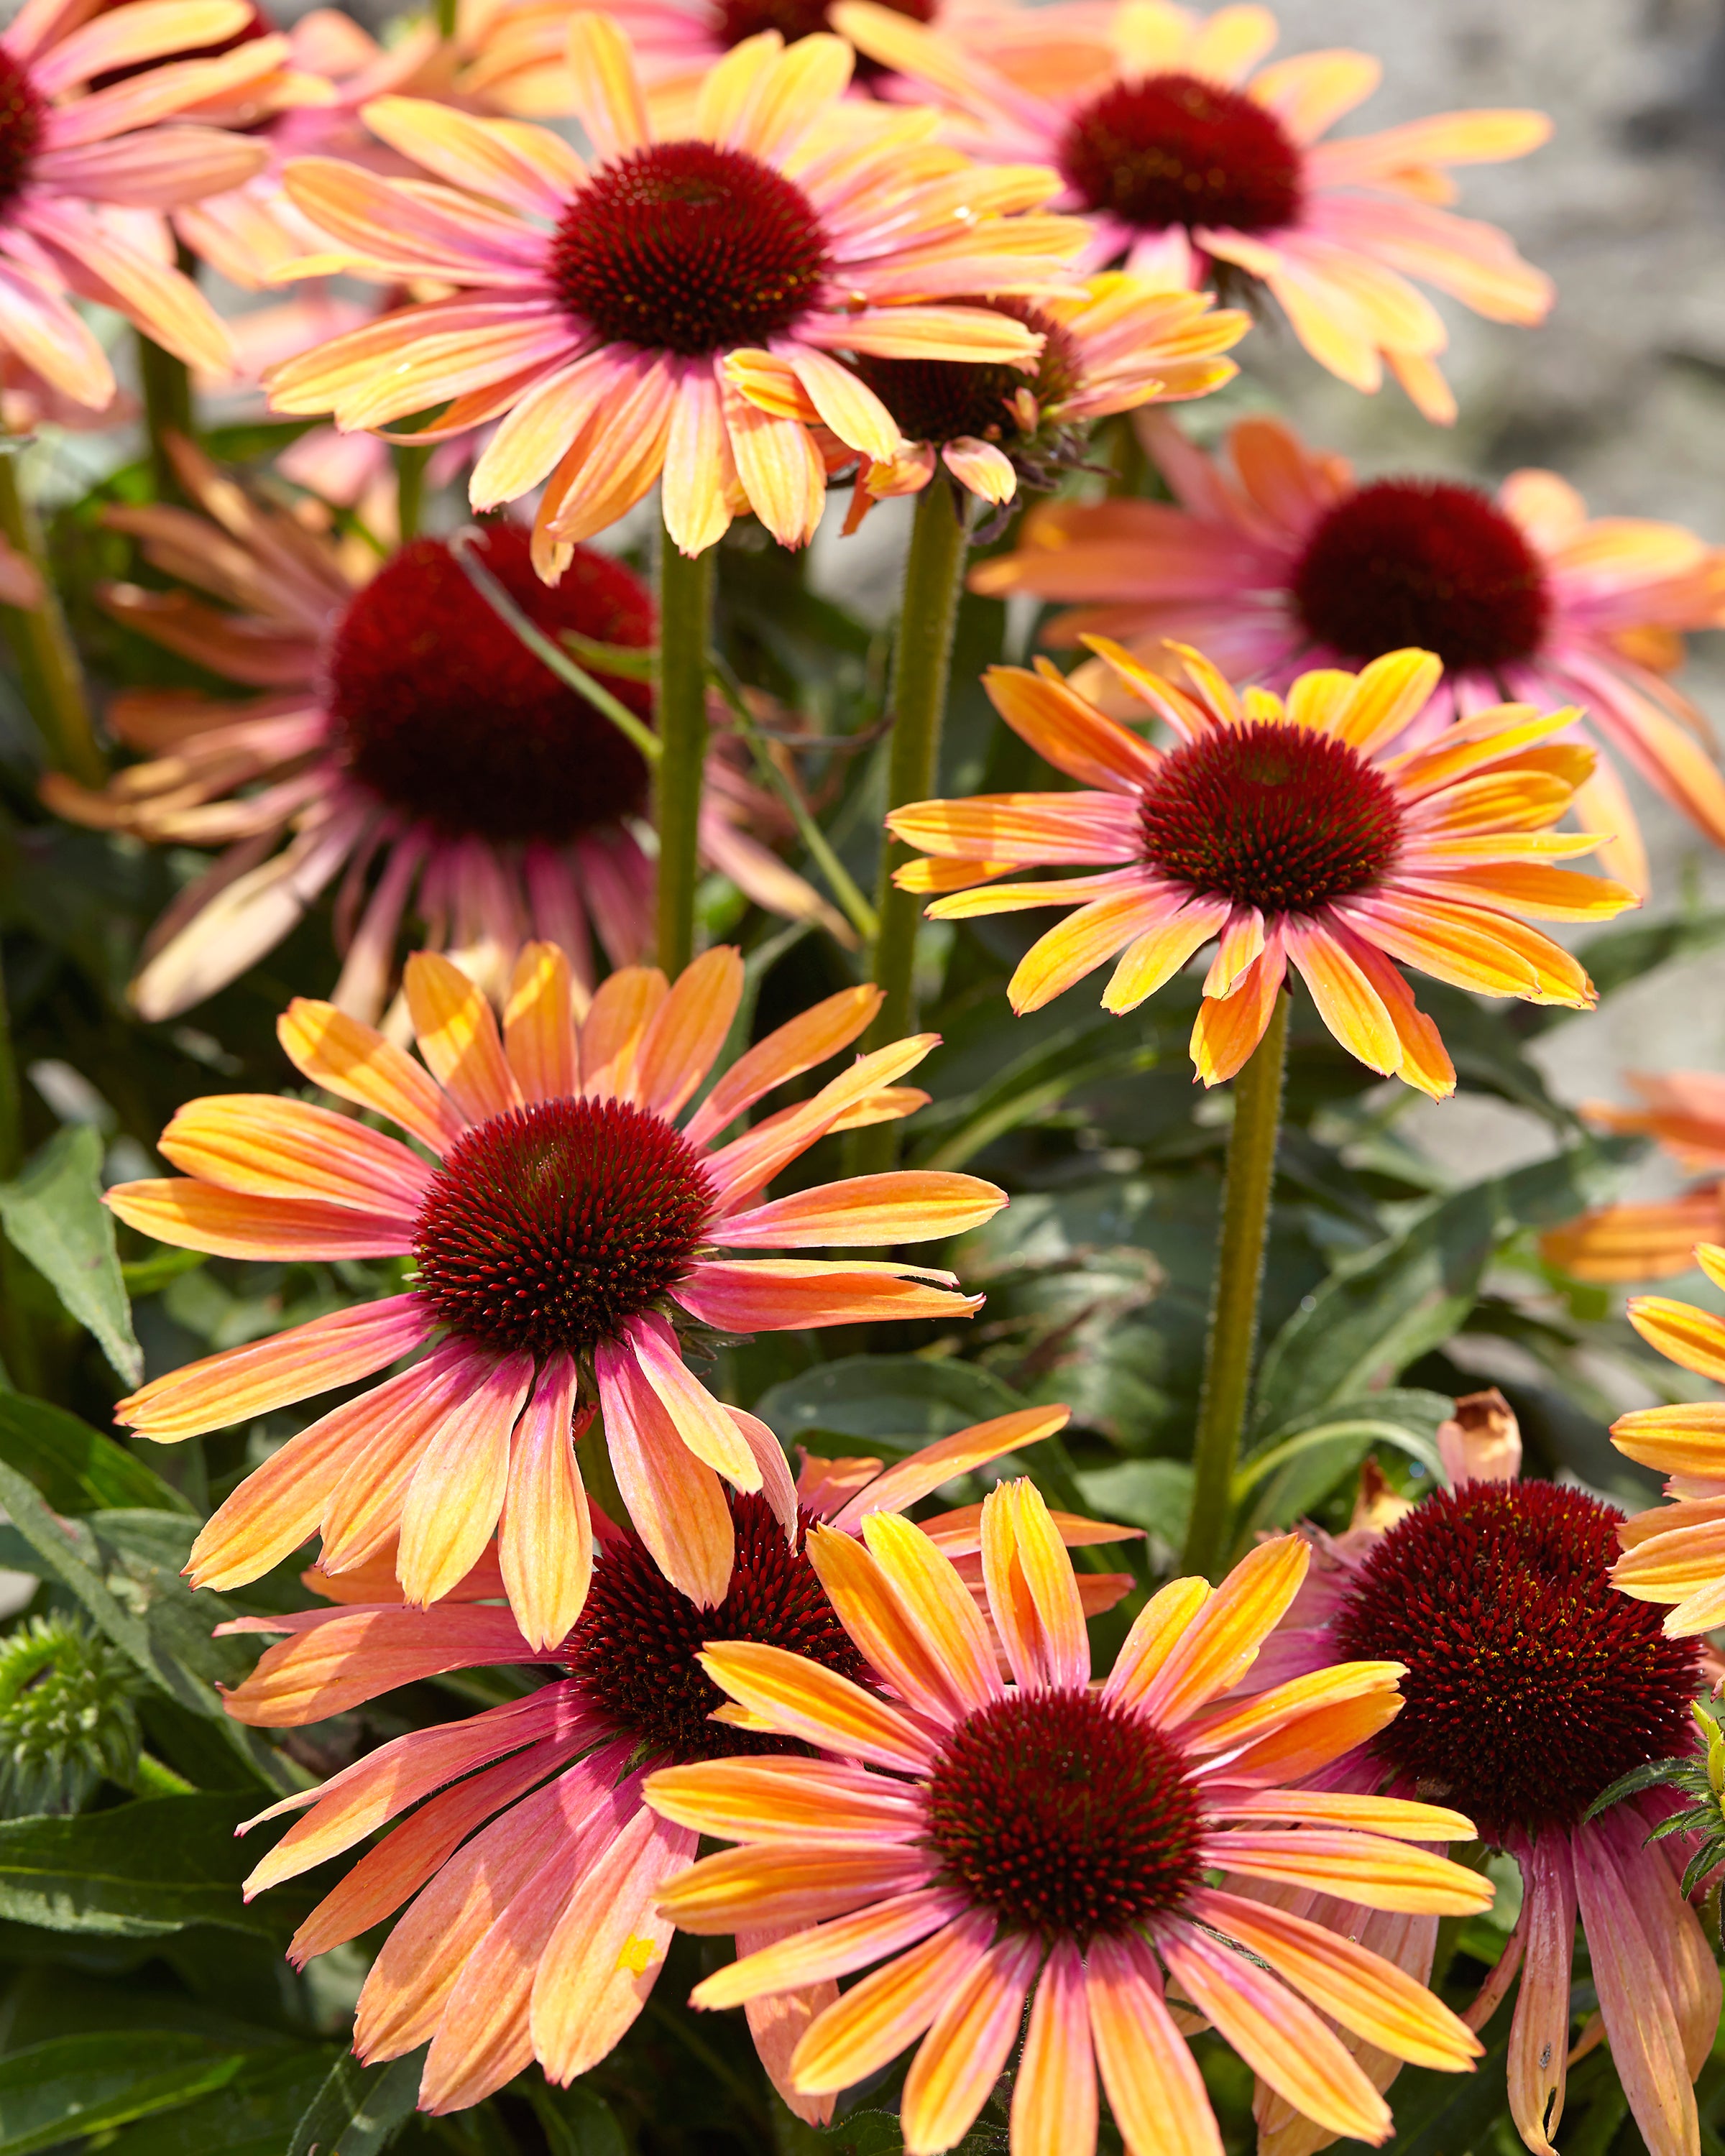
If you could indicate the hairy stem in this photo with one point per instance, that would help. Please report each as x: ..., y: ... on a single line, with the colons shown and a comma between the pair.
x: 685, y: 606
x: 1231, y: 1347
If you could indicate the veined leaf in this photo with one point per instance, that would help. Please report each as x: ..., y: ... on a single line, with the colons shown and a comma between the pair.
x: 54, y: 1214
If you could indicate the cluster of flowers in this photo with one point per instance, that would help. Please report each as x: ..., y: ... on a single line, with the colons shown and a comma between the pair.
x: 917, y: 253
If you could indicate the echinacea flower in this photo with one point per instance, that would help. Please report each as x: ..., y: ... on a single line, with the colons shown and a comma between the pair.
x: 561, y: 1948
x: 1675, y: 1552
x: 1110, y: 344
x: 69, y: 152
x: 518, y: 60
x: 1532, y: 1685
x: 1291, y: 832
x: 980, y: 1838
x: 362, y: 756
x: 566, y: 1232
x: 1192, y: 168
x: 1279, y: 559
x: 597, y: 309
x: 1685, y: 1111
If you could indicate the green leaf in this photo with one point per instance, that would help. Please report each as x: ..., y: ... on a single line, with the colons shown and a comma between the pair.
x: 576, y: 2121
x: 1383, y: 1309
x: 140, y: 1869
x: 899, y: 1400
x: 1155, y: 1495
x: 54, y: 1214
x: 74, y: 2086
x: 76, y: 1468
x: 124, y: 1567
x: 1294, y: 1469
x: 256, y: 2114
x: 865, y: 2133
x: 1685, y: 1774
x: 1617, y: 957
x: 359, y: 2110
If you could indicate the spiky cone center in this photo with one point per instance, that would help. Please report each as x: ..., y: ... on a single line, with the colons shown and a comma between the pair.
x: 552, y: 1226
x: 1276, y: 816
x: 1171, y: 150
x: 1532, y: 1683
x: 635, y: 1650
x: 23, y: 111
x: 1427, y: 563
x: 687, y: 248
x: 1064, y: 1815
x: 949, y: 400
x: 440, y: 709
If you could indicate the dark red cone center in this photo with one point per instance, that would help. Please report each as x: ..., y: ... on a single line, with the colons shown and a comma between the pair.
x: 685, y: 248
x: 943, y: 400
x: 1064, y: 1815
x: 635, y: 1648
x: 1532, y: 1683
x: 440, y: 708
x: 1171, y: 150
x: 552, y: 1227
x: 1423, y: 563
x: 23, y: 110
x: 1278, y: 817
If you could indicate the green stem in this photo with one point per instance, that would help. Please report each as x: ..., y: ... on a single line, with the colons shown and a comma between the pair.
x: 856, y: 908
x: 934, y: 582
x: 48, y: 665
x: 166, y: 383
x: 446, y: 11
x: 1232, y: 1339
x: 686, y: 607
x: 152, y: 1778
x: 410, y: 463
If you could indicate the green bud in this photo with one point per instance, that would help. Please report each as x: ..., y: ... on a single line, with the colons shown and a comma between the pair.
x: 67, y: 1722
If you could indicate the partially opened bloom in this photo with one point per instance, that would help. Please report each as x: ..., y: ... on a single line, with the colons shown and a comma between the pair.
x: 1289, y: 833
x: 596, y: 310
x: 1110, y: 344
x: 1675, y: 1552
x: 982, y: 1840
x: 1685, y: 1110
x: 1192, y: 167
x: 70, y: 154
x: 1532, y: 1685
x: 401, y: 738
x: 560, y: 1952
x: 1279, y: 558
x: 566, y: 1230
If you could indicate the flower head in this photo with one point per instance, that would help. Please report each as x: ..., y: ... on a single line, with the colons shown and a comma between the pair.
x: 629, y: 1688
x: 1685, y: 1110
x: 599, y: 309
x: 1279, y: 558
x: 359, y: 757
x: 568, y: 1223
x: 1114, y: 344
x: 1192, y: 167
x: 1290, y: 832
x: 71, y: 151
x: 980, y: 1838
x: 1532, y: 1685
x: 1671, y: 1553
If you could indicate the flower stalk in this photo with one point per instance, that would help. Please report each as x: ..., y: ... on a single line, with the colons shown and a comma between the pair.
x: 686, y: 607
x: 1231, y: 1347
x: 934, y: 582
x: 48, y: 664
x: 166, y: 383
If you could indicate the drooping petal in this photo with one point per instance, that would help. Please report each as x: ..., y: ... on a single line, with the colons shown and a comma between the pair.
x: 545, y: 1536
